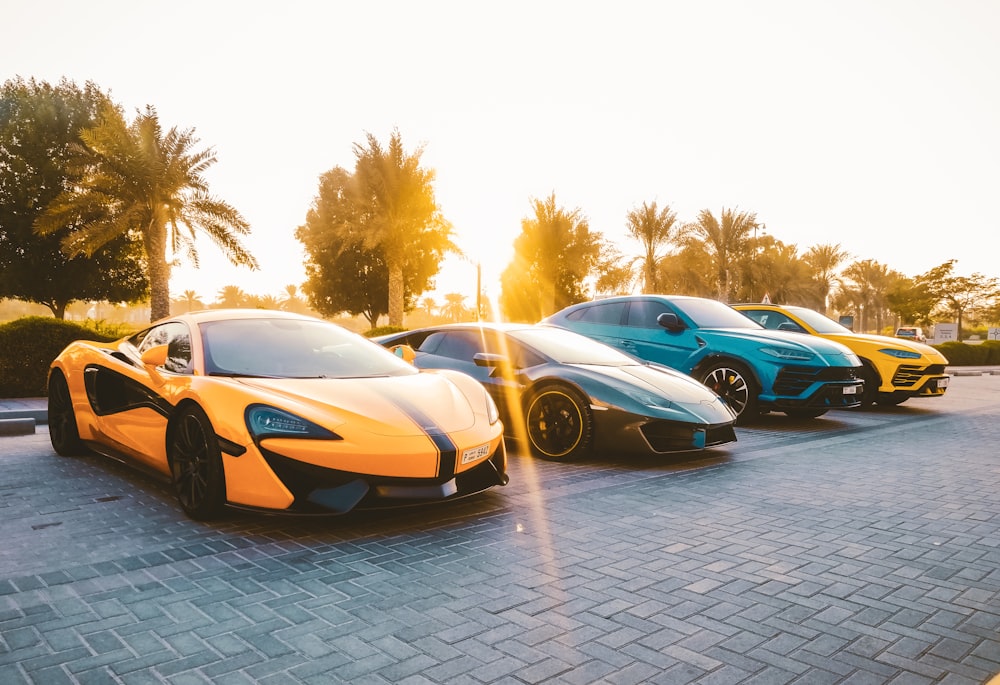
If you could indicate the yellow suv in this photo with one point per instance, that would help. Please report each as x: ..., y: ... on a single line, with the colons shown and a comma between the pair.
x: 894, y: 369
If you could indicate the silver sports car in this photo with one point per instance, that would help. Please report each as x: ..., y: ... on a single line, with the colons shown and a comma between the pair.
x: 565, y: 394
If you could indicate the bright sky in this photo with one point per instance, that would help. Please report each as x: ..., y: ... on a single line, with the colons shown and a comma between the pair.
x: 870, y: 123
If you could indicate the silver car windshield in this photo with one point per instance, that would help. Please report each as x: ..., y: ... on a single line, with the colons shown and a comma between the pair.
x: 290, y: 348
x: 567, y: 347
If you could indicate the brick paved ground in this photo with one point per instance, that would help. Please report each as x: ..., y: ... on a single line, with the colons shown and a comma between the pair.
x: 860, y: 548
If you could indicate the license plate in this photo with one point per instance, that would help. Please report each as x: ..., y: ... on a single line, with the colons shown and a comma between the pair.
x: 850, y: 390
x: 475, y: 453
x: 942, y: 383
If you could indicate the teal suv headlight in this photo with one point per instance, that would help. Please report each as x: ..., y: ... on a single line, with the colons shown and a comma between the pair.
x: 788, y: 353
x: 270, y: 422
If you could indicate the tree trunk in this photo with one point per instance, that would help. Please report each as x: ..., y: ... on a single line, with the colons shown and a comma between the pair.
x: 395, y: 295
x: 155, y: 242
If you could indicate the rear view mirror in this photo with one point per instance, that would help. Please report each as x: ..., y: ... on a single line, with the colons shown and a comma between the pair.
x: 404, y: 352
x: 670, y: 321
x: 155, y: 356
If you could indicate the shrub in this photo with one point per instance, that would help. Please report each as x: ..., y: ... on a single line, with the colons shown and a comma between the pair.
x: 963, y: 354
x: 383, y: 330
x: 992, y: 348
x: 27, y: 347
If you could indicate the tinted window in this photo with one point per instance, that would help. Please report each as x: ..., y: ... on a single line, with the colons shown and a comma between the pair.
x: 608, y: 314
x: 769, y: 319
x: 176, y: 336
x: 643, y: 313
x: 567, y: 347
x: 461, y: 345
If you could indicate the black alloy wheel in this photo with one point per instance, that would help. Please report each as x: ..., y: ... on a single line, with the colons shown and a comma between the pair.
x: 63, y: 432
x: 196, y: 465
x: 559, y: 423
x: 870, y: 392
x: 734, y: 384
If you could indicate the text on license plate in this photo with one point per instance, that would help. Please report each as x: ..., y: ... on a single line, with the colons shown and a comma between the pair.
x: 942, y: 383
x: 850, y: 390
x: 475, y: 453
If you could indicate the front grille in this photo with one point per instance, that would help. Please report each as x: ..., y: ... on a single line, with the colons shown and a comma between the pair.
x: 794, y: 380
x: 908, y: 376
x: 668, y: 436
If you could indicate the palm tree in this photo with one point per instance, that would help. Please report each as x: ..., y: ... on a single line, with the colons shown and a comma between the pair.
x: 653, y: 228
x: 190, y: 298
x: 291, y: 300
x: 399, y: 210
x: 454, y: 307
x: 825, y: 259
x: 138, y: 180
x: 428, y: 305
x: 725, y: 238
x: 231, y: 296
x: 871, y: 283
x: 266, y: 302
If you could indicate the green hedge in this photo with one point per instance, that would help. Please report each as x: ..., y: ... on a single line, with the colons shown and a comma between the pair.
x: 383, y: 330
x: 964, y: 354
x: 27, y: 347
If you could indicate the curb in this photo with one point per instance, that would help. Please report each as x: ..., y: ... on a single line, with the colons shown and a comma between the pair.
x: 17, y: 426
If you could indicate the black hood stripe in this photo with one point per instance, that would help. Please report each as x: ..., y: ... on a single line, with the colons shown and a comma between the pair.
x: 445, y: 445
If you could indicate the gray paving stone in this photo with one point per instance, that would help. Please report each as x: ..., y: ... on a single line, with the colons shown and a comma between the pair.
x: 803, y: 556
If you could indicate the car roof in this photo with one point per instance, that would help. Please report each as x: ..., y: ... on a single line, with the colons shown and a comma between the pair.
x: 203, y: 315
x: 499, y: 326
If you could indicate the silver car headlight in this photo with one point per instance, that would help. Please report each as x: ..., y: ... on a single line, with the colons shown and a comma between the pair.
x: 492, y: 413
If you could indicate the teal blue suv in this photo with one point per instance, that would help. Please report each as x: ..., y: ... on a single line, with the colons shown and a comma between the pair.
x: 755, y: 370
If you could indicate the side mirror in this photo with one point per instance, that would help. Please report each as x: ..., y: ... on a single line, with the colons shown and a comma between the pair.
x: 154, y: 356
x: 404, y: 352
x: 490, y: 359
x: 670, y: 321
x: 498, y: 364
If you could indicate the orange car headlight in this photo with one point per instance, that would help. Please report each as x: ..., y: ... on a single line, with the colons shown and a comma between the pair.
x: 264, y: 421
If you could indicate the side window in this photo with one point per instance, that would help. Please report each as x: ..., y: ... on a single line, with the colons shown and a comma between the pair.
x: 461, y: 345
x: 758, y: 316
x: 155, y: 336
x: 179, y: 351
x: 772, y: 320
x: 609, y: 314
x: 643, y: 313
x: 177, y: 338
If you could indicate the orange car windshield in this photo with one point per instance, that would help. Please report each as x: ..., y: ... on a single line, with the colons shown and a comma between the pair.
x: 291, y: 348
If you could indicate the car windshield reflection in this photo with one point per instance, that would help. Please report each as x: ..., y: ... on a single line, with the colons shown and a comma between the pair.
x: 567, y: 347
x: 283, y: 348
x: 713, y: 314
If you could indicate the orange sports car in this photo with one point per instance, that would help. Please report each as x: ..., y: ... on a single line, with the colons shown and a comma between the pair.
x: 275, y: 411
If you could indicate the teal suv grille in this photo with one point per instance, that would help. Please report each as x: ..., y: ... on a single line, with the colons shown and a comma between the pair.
x: 792, y: 381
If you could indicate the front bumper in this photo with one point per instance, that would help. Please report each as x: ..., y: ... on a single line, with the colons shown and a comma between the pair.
x: 320, y: 490
x: 815, y: 388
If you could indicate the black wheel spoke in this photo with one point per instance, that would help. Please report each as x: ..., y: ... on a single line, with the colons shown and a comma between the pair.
x: 196, y: 466
x: 557, y: 425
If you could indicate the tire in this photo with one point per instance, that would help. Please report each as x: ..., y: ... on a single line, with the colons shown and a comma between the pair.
x: 870, y: 393
x: 805, y: 413
x: 558, y: 423
x: 63, y: 431
x: 736, y: 386
x: 196, y: 465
